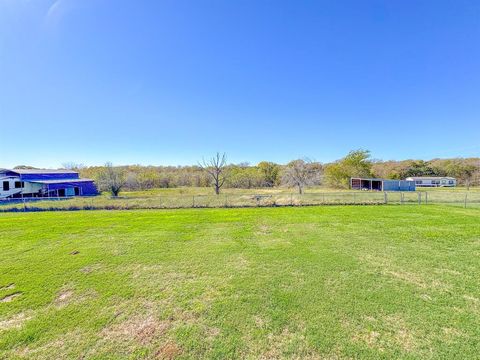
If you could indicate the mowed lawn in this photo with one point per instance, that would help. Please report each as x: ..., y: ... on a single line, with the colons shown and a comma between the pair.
x: 315, y: 282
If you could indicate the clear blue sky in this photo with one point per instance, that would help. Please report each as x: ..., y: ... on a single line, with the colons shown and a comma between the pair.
x: 167, y: 82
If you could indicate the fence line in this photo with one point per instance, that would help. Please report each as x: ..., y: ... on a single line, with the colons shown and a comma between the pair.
x: 464, y: 199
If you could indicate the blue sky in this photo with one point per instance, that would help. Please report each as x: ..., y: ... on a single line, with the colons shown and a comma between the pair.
x: 167, y: 82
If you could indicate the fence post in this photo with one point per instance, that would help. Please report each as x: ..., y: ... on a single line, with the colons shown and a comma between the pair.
x: 193, y: 201
x: 291, y: 199
x: 402, y: 198
x: 426, y: 197
x: 24, y: 206
x: 226, y: 200
x: 466, y: 198
x: 385, y: 196
x: 419, y: 198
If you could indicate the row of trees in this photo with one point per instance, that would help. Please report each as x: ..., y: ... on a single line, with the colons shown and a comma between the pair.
x: 217, y: 173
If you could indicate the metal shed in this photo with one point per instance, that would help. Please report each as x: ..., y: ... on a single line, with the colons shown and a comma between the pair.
x: 381, y: 184
x: 26, y: 183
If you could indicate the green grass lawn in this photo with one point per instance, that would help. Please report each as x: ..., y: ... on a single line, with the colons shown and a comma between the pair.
x: 315, y: 282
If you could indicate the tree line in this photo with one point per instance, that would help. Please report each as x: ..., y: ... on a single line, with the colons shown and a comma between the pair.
x: 217, y: 173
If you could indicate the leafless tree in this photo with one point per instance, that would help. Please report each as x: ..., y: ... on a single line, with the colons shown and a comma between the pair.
x: 301, y: 173
x: 111, y: 179
x: 216, y: 167
x: 73, y: 166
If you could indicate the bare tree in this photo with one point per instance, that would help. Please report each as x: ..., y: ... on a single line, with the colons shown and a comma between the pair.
x: 301, y: 173
x: 111, y: 179
x: 73, y: 166
x: 216, y: 168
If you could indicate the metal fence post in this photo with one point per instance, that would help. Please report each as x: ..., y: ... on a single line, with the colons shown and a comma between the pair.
x: 385, y: 196
x: 466, y: 198
x: 419, y: 198
x: 426, y: 197
x: 193, y: 201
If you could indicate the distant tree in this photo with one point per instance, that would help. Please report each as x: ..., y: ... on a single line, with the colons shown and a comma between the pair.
x: 111, y: 179
x: 356, y: 164
x: 421, y: 168
x: 270, y: 172
x: 73, y: 166
x: 463, y: 171
x: 244, y: 177
x: 216, y: 167
x: 131, y: 181
x: 300, y: 173
x: 24, y: 167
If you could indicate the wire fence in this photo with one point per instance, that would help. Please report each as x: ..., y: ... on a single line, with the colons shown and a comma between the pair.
x: 456, y: 198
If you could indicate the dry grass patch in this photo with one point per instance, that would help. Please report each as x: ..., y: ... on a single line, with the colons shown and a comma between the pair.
x: 280, y: 345
x: 58, y: 348
x: 387, y: 268
x: 385, y: 332
x: 473, y: 301
x: 14, y: 322
x: 68, y: 296
x: 168, y: 351
x: 90, y: 268
x: 142, y: 329
x: 63, y: 298
x: 7, y: 287
x: 263, y: 230
x: 11, y: 297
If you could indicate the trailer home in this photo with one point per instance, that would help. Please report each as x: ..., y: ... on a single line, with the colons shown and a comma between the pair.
x: 433, y: 181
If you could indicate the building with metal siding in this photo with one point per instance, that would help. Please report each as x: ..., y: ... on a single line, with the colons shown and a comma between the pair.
x: 433, y: 181
x: 381, y: 184
x: 20, y: 183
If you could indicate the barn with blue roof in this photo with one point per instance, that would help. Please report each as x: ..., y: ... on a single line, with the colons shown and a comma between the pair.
x: 26, y: 183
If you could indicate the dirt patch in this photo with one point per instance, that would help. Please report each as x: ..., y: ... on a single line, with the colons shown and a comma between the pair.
x: 10, y: 297
x: 7, y: 287
x: 15, y: 322
x: 168, y: 351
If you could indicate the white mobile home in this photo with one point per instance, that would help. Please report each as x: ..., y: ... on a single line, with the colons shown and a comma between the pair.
x: 433, y: 181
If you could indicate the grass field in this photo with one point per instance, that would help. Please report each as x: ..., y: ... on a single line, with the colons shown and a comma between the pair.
x: 190, y: 197
x: 315, y: 282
